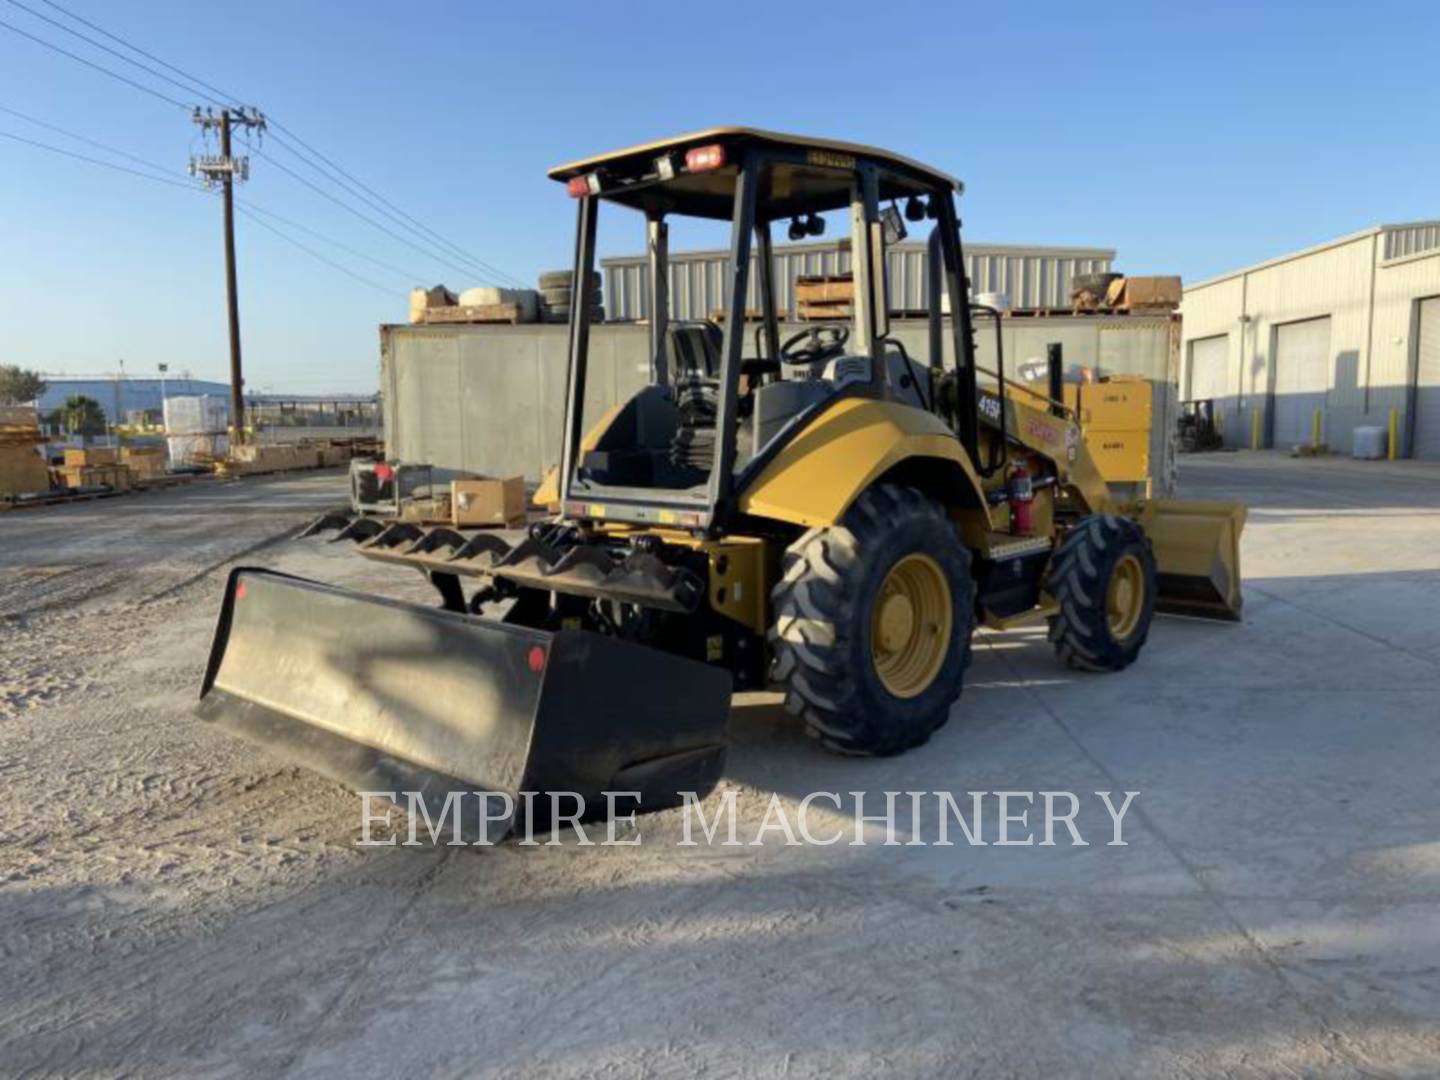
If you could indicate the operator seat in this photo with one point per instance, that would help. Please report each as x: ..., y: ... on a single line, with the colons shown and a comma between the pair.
x: 694, y: 348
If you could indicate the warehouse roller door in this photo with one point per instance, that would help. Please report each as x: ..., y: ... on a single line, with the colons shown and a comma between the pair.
x: 1427, y: 382
x: 1302, y: 377
x: 1209, y: 363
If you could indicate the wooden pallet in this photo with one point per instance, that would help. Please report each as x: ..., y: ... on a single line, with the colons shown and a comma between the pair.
x: 824, y: 312
x: 474, y: 313
x: 57, y: 500
x: 1073, y: 312
x: 824, y: 289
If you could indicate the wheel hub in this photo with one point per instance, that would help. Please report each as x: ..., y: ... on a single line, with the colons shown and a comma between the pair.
x: 911, y: 624
x: 1125, y: 597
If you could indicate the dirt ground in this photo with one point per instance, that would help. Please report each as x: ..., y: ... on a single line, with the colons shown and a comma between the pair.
x: 173, y: 902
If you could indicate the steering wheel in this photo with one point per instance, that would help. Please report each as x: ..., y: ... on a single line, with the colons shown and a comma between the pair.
x: 815, y: 344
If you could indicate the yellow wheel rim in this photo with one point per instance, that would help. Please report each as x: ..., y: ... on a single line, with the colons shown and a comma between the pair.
x: 910, y: 625
x: 1125, y: 597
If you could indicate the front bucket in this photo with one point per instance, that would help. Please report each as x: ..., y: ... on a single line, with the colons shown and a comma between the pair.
x: 1197, y: 556
x: 392, y: 697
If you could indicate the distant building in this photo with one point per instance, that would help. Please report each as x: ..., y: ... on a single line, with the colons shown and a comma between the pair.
x: 121, y: 396
x: 1338, y: 334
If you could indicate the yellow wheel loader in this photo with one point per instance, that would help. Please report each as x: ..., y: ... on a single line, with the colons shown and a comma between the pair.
x: 819, y: 511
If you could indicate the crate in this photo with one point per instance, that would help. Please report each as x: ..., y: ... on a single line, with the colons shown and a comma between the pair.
x: 115, y: 477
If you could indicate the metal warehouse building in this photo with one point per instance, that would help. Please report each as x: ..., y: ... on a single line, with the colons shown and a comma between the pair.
x: 120, y: 395
x: 1348, y: 329
x: 1030, y: 277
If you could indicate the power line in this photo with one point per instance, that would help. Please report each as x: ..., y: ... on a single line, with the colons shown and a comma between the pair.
x: 135, y: 48
x: 106, y: 48
x: 91, y: 64
x: 316, y: 255
x: 409, y: 275
x: 249, y: 209
x: 106, y: 164
x: 354, y: 187
x: 363, y: 217
x: 88, y: 141
x: 384, y: 205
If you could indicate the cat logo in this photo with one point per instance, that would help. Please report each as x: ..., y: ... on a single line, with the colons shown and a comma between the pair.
x: 830, y: 159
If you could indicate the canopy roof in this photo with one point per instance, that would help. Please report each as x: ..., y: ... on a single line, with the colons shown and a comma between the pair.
x: 817, y: 178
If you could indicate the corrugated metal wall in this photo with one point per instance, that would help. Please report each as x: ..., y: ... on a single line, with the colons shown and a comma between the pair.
x: 1368, y: 284
x: 1029, y: 276
x: 1403, y: 241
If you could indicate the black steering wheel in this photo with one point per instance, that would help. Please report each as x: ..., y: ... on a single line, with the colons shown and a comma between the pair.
x: 815, y: 344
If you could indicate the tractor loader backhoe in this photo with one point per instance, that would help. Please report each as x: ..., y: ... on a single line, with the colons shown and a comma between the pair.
x: 825, y: 513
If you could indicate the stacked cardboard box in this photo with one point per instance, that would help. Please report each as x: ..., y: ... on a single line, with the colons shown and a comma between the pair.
x: 486, y: 501
x: 22, y: 469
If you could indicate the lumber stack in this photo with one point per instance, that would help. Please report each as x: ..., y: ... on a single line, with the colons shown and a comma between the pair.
x: 95, y: 466
x: 248, y: 459
x: 145, y: 462
x: 824, y: 297
x: 22, y: 469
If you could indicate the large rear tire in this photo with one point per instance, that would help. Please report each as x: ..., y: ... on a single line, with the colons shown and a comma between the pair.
x: 1103, y: 579
x: 873, y: 619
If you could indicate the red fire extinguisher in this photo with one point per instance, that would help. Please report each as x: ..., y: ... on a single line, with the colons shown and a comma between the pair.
x: 1022, y: 496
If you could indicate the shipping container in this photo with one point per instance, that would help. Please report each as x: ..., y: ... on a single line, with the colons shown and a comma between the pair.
x: 489, y: 399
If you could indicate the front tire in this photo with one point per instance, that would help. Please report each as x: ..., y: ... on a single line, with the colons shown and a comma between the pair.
x: 873, y: 619
x: 1103, y: 581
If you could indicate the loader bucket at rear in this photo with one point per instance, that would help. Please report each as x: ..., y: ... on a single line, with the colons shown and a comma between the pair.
x: 1197, y: 556
x: 392, y: 697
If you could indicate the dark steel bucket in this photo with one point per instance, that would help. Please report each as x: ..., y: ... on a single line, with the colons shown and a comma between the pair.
x: 392, y: 697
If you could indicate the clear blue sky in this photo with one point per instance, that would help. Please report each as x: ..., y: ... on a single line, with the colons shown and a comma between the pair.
x: 1191, y: 137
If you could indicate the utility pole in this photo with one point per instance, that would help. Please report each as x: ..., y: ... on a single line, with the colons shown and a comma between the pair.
x: 224, y: 170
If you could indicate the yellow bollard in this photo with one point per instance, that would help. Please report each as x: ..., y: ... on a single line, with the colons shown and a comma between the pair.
x: 1315, y: 430
x: 1254, y: 427
x: 1394, y: 432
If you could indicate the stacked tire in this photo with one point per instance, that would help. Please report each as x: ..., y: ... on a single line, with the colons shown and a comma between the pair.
x: 557, y: 296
